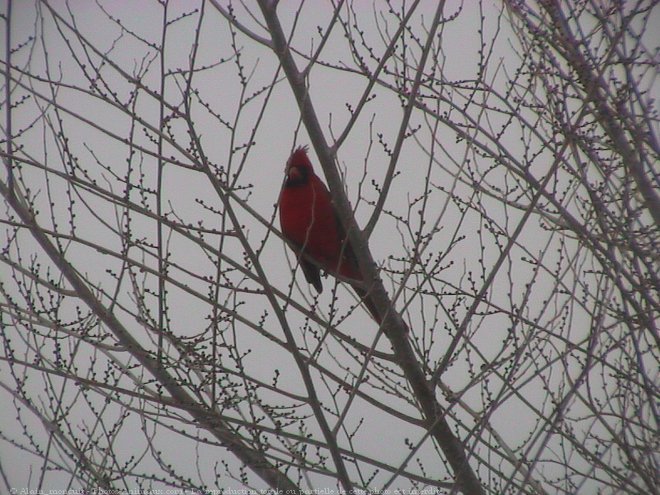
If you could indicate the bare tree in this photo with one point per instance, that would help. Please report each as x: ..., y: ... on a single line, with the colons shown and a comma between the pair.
x: 495, y: 167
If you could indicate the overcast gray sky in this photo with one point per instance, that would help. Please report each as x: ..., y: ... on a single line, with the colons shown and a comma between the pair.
x: 446, y: 197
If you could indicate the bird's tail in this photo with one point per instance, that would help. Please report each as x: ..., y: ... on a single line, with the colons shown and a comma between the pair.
x: 368, y: 303
x: 365, y: 297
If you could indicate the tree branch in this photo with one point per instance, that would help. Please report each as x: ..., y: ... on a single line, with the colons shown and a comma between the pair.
x: 393, y: 325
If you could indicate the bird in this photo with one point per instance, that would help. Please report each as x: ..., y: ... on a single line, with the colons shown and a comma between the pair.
x: 312, y: 229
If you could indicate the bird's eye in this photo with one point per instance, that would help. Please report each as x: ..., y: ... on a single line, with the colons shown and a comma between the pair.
x: 295, y: 173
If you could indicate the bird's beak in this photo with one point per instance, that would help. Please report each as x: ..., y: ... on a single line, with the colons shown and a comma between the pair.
x: 294, y: 174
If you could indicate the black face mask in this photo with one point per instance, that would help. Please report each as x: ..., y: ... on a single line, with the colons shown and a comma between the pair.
x: 299, y: 177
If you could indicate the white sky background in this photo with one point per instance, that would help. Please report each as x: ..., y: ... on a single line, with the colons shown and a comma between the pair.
x: 262, y: 170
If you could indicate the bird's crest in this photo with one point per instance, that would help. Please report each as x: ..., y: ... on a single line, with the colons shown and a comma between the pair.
x: 299, y: 158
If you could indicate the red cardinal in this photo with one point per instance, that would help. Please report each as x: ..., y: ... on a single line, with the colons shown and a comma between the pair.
x: 313, y: 230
